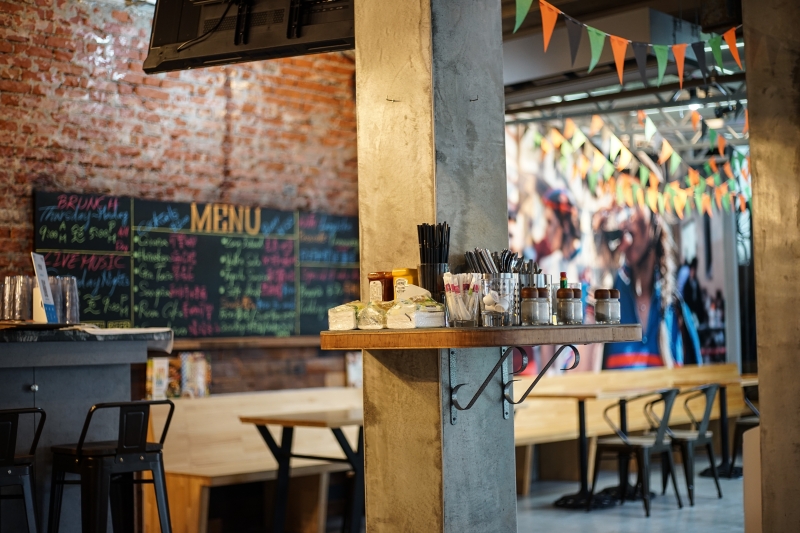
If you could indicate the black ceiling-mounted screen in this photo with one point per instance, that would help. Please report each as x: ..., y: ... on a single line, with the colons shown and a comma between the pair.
x: 199, y: 33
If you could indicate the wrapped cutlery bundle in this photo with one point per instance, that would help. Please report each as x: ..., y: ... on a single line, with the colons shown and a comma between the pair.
x: 373, y: 316
x: 417, y: 312
x: 344, y: 317
x: 462, y: 293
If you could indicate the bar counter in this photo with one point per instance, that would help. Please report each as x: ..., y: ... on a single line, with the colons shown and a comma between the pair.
x: 65, y: 372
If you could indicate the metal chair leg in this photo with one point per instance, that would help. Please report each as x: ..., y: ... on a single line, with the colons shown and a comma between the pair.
x: 598, y: 458
x: 623, y: 479
x: 56, y: 493
x: 687, y: 455
x: 710, y: 450
x: 30, y: 503
x: 643, y: 463
x: 665, y: 472
x: 671, y: 462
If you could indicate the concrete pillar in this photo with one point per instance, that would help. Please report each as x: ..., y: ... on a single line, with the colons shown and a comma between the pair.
x: 773, y: 89
x: 430, y: 149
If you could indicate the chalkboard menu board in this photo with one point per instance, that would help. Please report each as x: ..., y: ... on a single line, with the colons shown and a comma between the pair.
x: 205, y: 270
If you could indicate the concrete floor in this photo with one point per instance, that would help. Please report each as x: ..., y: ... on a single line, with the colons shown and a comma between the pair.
x: 535, y: 513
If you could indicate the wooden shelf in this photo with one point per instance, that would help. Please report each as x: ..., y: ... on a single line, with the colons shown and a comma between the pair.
x: 411, y: 339
x: 306, y: 341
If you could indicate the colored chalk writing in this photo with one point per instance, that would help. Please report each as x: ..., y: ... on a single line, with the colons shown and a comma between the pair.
x: 205, y: 270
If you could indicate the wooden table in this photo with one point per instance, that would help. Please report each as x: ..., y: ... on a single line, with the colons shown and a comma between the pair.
x: 725, y: 468
x: 333, y: 420
x: 606, y: 498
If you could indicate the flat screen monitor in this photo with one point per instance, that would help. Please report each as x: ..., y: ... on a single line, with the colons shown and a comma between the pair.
x: 199, y: 33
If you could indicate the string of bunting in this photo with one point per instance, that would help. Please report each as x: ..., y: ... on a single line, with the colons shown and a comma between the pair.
x: 619, y: 45
x: 604, y: 176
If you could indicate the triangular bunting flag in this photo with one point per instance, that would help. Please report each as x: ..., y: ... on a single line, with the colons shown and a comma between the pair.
x: 599, y: 161
x: 674, y: 162
x: 556, y: 138
x: 547, y: 146
x: 726, y: 203
x: 640, y: 53
x: 597, y: 39
x: 644, y: 175
x: 742, y: 203
x: 699, y: 50
x: 639, y: 196
x: 730, y: 38
x: 694, y: 176
x: 662, y: 53
x: 608, y: 170
x: 696, y: 118
x: 549, y: 18
x: 567, y: 149
x: 717, y: 179
x: 712, y: 138
x: 596, y: 125
x: 523, y: 6
x: 578, y: 139
x: 707, y: 205
x: 620, y: 47
x: 574, y: 32
x: 614, y: 147
x: 679, y: 51
x: 716, y: 49
x: 569, y: 128
x: 652, y: 200
x: 680, y: 202
x: 721, y: 142
x: 591, y: 180
x: 661, y: 203
x: 649, y: 129
x: 713, y: 164
x: 620, y: 195
x: 746, y: 122
x: 728, y: 170
x: 583, y: 166
x: 666, y: 152
x: 625, y: 157
x: 537, y: 138
x: 718, y: 193
x: 710, y: 181
x: 640, y: 116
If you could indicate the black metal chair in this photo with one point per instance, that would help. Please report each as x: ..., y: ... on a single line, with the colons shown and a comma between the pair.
x: 688, y: 440
x: 743, y: 424
x: 17, y: 470
x: 107, y: 468
x: 642, y: 447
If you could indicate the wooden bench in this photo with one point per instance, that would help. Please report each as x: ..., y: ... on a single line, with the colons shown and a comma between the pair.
x: 209, y: 447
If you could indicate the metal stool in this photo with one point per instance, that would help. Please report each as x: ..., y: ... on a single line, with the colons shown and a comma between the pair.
x: 18, y: 469
x: 107, y: 468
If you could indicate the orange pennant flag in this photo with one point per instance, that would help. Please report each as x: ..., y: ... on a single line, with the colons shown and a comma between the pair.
x: 653, y: 181
x: 746, y: 122
x: 641, y: 115
x: 710, y: 181
x: 706, y: 203
x: 627, y: 191
x: 679, y: 51
x: 549, y: 17
x: 667, y: 204
x: 730, y: 38
x: 619, y: 46
x: 721, y: 143
x: 596, y: 126
x: 696, y: 118
x: 713, y: 164
x: 612, y: 184
x: 728, y: 170
x: 583, y: 166
x: 694, y: 176
x: 742, y: 203
x: 719, y: 193
x: 640, y: 197
x: 547, y: 146
x: 569, y: 128
x: 680, y: 204
x: 625, y: 157
x: 652, y: 200
x: 666, y: 152
x: 556, y: 138
x: 675, y: 186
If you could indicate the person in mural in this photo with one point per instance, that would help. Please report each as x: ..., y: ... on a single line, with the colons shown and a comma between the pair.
x: 648, y: 294
x: 561, y: 242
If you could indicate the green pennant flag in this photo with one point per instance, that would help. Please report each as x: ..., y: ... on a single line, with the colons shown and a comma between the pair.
x: 712, y: 138
x: 567, y: 149
x: 674, y: 162
x: 688, y: 209
x: 614, y: 147
x: 635, y: 188
x: 748, y: 193
x: 597, y: 39
x: 620, y: 196
x: 717, y: 179
x: 649, y: 129
x: 562, y: 161
x: 537, y: 139
x: 726, y: 203
x: 661, y: 203
x: 644, y: 175
x: 591, y: 179
x: 608, y: 170
x: 698, y: 199
x: 707, y: 167
x: 523, y: 6
x: 716, y: 48
x: 688, y: 181
x: 578, y: 139
x: 701, y: 186
x: 662, y: 54
x: 733, y: 186
x: 740, y: 159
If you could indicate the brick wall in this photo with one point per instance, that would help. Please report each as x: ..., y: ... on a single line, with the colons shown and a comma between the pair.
x: 78, y: 114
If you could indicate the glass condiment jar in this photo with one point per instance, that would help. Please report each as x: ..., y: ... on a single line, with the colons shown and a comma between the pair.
x: 387, y: 285
x: 565, y: 304
x: 577, y: 306
x: 607, y: 308
x: 529, y: 295
x: 542, y: 314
